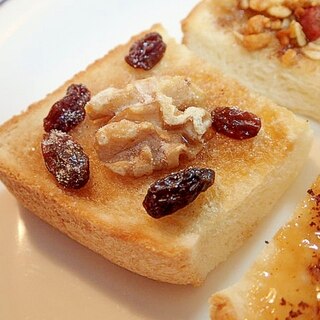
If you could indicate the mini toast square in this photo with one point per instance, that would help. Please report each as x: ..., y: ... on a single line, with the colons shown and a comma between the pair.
x: 107, y: 215
x: 218, y: 32
x: 283, y: 283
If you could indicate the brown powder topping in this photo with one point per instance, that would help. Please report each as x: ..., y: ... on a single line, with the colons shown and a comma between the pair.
x: 314, y: 271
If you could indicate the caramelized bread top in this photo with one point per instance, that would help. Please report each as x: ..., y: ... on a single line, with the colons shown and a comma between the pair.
x: 116, y: 201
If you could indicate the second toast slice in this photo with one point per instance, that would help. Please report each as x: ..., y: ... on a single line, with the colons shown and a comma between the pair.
x: 247, y: 45
x: 283, y: 283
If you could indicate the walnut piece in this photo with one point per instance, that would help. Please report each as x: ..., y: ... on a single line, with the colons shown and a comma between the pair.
x: 110, y: 101
x: 244, y: 4
x: 289, y: 58
x: 264, y: 5
x: 280, y: 19
x: 297, y: 32
x: 151, y: 124
x: 312, y: 50
x: 258, y: 41
x: 279, y: 11
x: 257, y: 24
x: 276, y: 8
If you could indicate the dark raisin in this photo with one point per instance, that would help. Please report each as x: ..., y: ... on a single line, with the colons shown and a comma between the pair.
x: 176, y: 191
x: 310, y: 22
x: 235, y: 123
x: 146, y: 52
x: 68, y: 112
x: 65, y: 159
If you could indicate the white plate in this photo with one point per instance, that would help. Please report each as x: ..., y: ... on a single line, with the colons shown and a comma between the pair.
x: 45, y: 275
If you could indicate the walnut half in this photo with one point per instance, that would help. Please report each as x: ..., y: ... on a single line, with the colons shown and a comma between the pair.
x: 151, y: 124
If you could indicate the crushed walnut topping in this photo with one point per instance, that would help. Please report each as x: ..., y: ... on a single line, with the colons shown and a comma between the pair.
x: 312, y: 50
x: 150, y: 124
x: 294, y: 23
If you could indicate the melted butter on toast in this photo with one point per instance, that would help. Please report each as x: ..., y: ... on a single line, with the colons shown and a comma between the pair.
x: 286, y: 282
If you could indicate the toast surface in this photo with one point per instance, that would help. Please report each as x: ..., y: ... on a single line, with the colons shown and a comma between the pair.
x: 107, y: 214
x: 283, y: 282
x: 212, y: 31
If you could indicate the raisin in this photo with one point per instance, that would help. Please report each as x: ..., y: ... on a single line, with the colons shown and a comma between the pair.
x: 146, y: 52
x: 65, y: 159
x: 310, y: 21
x: 235, y: 123
x: 68, y: 112
x: 176, y: 191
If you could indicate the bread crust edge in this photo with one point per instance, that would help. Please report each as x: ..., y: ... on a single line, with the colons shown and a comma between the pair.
x: 174, y: 266
x: 222, y: 308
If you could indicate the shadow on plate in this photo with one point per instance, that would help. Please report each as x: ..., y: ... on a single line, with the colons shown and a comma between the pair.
x: 147, y: 298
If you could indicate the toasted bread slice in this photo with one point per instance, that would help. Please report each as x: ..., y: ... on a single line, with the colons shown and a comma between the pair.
x: 283, y: 283
x: 107, y: 214
x: 213, y: 31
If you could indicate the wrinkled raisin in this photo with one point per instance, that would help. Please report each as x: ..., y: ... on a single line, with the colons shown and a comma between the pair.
x: 65, y: 159
x: 310, y: 21
x: 68, y: 112
x: 146, y: 52
x: 176, y: 191
x: 235, y: 123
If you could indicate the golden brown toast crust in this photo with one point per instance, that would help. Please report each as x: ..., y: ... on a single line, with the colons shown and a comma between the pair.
x: 107, y: 215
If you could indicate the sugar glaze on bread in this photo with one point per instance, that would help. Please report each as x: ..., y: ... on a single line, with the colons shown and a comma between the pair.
x: 107, y: 214
x: 283, y: 283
